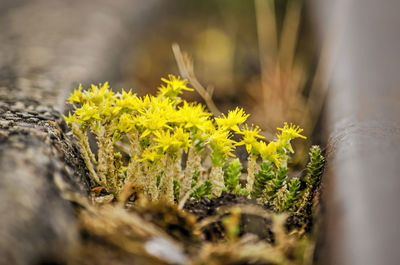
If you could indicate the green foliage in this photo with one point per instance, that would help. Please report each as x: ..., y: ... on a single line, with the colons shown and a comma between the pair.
x: 177, y: 187
x: 203, y: 191
x: 232, y: 172
x: 276, y: 183
x: 231, y: 224
x: 312, y: 179
x: 291, y: 195
x: 241, y: 191
x: 315, y: 166
x: 264, y: 175
x: 270, y: 185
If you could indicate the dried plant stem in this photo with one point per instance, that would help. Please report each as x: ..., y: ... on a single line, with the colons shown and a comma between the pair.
x: 289, y: 35
x: 151, y: 180
x: 167, y: 180
x: 251, y: 170
x: 305, y: 199
x: 83, y: 140
x: 183, y: 199
x: 193, y: 164
x: 185, y: 66
x: 267, y: 43
x: 134, y: 170
x: 217, y: 180
x: 178, y: 175
x: 106, y: 168
x: 85, y: 144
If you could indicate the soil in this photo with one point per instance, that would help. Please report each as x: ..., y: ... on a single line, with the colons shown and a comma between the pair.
x: 216, y: 209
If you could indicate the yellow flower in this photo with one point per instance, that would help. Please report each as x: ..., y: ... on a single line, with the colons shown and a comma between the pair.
x: 288, y: 133
x: 126, y: 123
x: 235, y: 118
x: 172, y: 143
x: 87, y: 113
x: 150, y: 155
x: 183, y: 138
x: 156, y: 117
x: 222, y: 145
x: 70, y: 119
x: 127, y: 102
x: 77, y: 97
x: 268, y: 152
x: 174, y: 87
x: 106, y: 109
x: 292, y: 131
x: 98, y: 94
x: 192, y: 115
x: 250, y: 137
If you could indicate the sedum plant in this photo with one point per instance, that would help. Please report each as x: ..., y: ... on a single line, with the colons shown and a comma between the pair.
x: 232, y: 173
x: 312, y: 179
x: 159, y: 129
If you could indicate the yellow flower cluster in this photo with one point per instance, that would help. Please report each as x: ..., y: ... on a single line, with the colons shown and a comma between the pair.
x: 275, y: 151
x: 158, y: 129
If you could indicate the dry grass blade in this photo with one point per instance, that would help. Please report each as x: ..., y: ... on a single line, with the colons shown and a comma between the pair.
x: 248, y: 250
x: 185, y: 66
x: 289, y: 35
x: 282, y: 75
x: 131, y: 233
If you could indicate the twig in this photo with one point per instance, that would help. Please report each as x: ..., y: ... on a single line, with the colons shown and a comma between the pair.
x: 185, y: 66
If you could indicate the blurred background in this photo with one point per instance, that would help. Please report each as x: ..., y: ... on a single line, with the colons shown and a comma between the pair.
x: 259, y: 55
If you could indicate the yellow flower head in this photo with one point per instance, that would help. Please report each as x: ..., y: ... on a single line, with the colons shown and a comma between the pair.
x: 70, y: 119
x: 292, y: 131
x: 173, y: 88
x: 127, y: 102
x: 221, y: 145
x: 126, y: 123
x: 268, y: 152
x: 87, y: 113
x: 250, y: 137
x: 152, y: 123
x: 183, y: 138
x: 288, y: 133
x: 234, y: 118
x: 157, y: 114
x: 106, y: 109
x: 98, y: 94
x: 77, y: 97
x: 172, y: 143
x: 193, y: 116
x: 150, y: 155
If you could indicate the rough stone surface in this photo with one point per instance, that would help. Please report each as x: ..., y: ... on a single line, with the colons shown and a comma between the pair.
x: 363, y: 125
x: 46, y: 48
x: 34, y: 154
